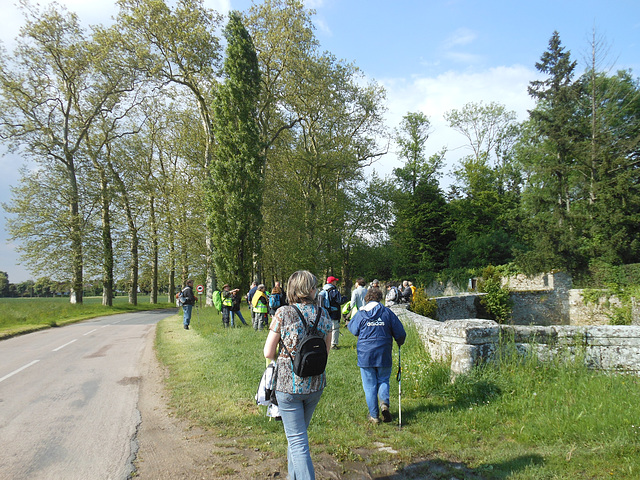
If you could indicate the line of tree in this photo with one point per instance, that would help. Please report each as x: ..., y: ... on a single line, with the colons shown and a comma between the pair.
x: 46, y: 287
x: 178, y: 143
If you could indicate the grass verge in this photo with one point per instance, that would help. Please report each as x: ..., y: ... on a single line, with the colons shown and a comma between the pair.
x: 514, y: 419
x: 24, y: 315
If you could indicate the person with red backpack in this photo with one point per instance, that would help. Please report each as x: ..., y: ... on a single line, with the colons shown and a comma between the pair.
x: 331, y: 299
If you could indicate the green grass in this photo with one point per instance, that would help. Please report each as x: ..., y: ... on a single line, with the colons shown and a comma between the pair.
x: 513, y: 419
x: 23, y: 315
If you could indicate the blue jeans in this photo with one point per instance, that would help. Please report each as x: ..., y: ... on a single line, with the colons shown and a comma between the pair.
x: 375, y: 382
x: 186, y: 314
x: 296, y: 411
x: 239, y: 313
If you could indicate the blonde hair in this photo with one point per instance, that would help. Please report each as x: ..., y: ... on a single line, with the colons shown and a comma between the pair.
x: 301, y: 287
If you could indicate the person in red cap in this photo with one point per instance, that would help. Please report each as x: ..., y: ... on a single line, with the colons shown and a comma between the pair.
x: 331, y: 299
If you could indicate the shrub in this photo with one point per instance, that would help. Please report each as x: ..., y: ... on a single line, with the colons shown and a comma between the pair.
x: 422, y: 305
x: 497, y: 300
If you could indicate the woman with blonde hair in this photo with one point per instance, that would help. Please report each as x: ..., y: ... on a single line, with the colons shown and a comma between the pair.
x: 297, y: 396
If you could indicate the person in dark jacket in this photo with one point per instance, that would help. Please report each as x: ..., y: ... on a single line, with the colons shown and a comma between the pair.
x: 235, y: 309
x: 189, y: 302
x: 407, y: 292
x: 376, y: 326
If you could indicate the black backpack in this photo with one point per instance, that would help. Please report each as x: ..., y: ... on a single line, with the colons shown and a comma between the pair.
x: 311, y: 358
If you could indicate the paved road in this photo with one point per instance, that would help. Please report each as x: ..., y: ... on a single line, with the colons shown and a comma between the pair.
x: 68, y: 399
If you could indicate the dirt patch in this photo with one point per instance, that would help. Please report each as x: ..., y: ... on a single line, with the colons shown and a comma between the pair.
x: 170, y: 447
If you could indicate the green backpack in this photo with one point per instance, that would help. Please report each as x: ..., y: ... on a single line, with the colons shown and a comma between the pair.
x: 217, y: 300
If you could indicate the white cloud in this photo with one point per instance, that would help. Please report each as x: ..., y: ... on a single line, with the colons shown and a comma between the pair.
x: 461, y: 36
x: 322, y: 26
x: 313, y: 3
x: 434, y: 96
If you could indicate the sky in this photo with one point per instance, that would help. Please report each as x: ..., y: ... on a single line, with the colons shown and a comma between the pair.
x: 430, y: 56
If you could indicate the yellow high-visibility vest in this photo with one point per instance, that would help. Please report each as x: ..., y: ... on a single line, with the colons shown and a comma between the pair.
x: 227, y: 301
x: 259, y: 307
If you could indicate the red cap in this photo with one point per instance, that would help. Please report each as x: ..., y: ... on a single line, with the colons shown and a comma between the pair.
x: 332, y: 279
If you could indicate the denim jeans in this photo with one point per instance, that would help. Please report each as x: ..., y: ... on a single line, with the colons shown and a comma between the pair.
x: 239, y: 313
x: 186, y: 314
x: 296, y: 411
x: 375, y: 382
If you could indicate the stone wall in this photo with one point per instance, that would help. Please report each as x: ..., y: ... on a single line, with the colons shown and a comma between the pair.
x: 458, y: 306
x: 541, y: 299
x: 545, y: 299
x: 588, y: 313
x: 467, y: 342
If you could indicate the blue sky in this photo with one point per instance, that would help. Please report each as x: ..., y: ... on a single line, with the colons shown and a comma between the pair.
x: 431, y: 56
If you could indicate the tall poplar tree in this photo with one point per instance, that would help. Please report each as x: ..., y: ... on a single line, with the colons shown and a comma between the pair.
x: 237, y: 174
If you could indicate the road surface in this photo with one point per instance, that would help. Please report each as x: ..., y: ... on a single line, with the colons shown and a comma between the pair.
x: 69, y: 399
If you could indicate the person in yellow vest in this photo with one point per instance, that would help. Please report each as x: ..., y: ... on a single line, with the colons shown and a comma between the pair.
x: 413, y: 290
x: 346, y: 311
x: 227, y: 305
x: 260, y: 306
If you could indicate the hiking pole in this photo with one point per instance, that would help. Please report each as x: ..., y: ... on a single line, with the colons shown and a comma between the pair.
x: 399, y: 378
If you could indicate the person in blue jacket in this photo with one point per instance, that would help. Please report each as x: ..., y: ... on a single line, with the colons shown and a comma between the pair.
x: 376, y: 326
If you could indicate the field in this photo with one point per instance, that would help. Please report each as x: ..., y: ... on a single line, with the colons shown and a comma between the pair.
x: 513, y: 419
x: 22, y: 315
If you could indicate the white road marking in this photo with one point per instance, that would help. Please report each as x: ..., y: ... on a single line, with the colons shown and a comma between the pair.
x: 90, y: 332
x: 18, y: 370
x: 62, y: 346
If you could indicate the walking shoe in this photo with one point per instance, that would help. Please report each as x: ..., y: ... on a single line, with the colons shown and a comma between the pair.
x: 374, y: 420
x: 386, y: 415
x: 186, y: 327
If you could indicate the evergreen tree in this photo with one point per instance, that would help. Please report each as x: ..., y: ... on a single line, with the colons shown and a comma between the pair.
x: 420, y: 234
x: 554, y: 133
x: 235, y: 192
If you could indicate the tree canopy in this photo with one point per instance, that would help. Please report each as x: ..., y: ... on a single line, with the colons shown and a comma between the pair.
x: 177, y: 144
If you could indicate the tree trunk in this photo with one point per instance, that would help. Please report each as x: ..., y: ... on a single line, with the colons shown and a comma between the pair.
x: 153, y: 297
x: 172, y: 262
x: 133, y: 231
x: 107, y: 244
x: 133, y: 267
x: 76, y: 236
x: 211, y: 274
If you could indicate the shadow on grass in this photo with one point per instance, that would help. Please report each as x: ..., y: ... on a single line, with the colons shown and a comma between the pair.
x: 441, y: 469
x: 462, y: 396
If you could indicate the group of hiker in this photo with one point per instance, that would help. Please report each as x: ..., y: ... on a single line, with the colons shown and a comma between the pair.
x: 311, y: 313
x: 305, y: 324
x: 261, y: 304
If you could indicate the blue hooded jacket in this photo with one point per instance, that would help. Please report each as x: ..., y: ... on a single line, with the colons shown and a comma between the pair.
x: 376, y: 327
